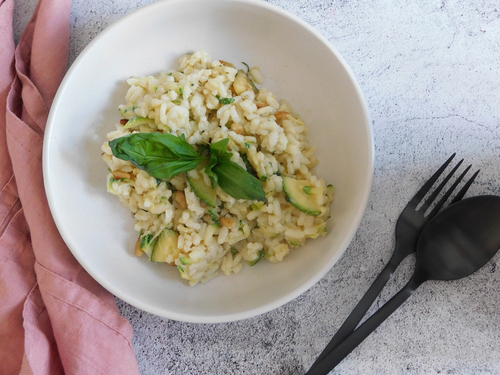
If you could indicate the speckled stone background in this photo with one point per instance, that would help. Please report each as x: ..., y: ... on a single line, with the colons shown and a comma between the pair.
x: 430, y: 72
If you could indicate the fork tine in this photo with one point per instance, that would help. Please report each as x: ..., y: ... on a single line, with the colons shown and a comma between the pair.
x: 424, y: 189
x: 436, y: 192
x: 464, y: 189
x: 450, y: 190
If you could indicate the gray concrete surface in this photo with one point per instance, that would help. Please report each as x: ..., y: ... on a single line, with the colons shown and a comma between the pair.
x: 430, y: 71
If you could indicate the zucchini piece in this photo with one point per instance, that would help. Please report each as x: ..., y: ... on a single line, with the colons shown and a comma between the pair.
x: 203, y: 191
x: 166, y: 250
x: 248, y: 165
x: 148, y: 243
x: 138, y: 121
x: 295, y: 194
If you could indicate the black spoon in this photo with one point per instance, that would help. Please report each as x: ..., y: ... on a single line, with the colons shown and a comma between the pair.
x: 454, y: 244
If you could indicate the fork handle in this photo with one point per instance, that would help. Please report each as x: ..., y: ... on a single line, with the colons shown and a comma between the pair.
x: 361, y: 308
x: 336, y: 356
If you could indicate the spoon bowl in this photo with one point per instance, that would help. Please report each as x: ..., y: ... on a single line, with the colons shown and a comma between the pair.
x: 461, y: 240
x: 454, y: 244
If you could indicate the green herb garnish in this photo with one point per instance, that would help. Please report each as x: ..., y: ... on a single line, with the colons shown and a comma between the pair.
x: 215, y: 217
x: 260, y: 256
x: 224, y: 100
x: 234, y: 251
x: 307, y: 189
x: 248, y: 68
x: 164, y: 156
x: 237, y: 182
x: 181, y: 91
x: 160, y: 155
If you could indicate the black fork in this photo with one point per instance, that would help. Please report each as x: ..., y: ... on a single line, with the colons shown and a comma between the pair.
x: 408, y: 228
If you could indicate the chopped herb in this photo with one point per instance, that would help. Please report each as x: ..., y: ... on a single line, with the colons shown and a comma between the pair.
x: 134, y: 108
x: 215, y: 217
x: 241, y: 226
x: 170, y: 74
x: 224, y: 100
x: 307, y: 189
x: 294, y: 243
x: 247, y: 145
x: 264, y: 178
x: 181, y: 91
x: 248, y: 68
x: 158, y: 181
x: 156, y: 88
x: 163, y: 199
x: 192, y: 84
x: 234, y: 251
x: 260, y: 256
x: 180, y: 269
x: 176, y: 101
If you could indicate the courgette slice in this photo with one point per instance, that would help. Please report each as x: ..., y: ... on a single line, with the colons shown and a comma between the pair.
x: 166, y: 250
x: 295, y: 194
x: 203, y: 191
x: 148, y: 243
x: 138, y: 121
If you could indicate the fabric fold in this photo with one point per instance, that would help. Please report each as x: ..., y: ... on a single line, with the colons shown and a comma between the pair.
x: 56, y: 318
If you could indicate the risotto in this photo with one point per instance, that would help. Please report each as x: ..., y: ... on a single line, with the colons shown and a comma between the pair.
x: 216, y: 171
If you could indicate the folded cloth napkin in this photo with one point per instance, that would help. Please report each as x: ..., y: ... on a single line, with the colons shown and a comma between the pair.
x: 54, y: 318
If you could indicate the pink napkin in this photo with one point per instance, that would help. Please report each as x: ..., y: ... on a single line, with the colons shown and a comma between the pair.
x: 54, y: 318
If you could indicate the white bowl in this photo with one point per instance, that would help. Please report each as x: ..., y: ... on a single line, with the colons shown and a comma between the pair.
x: 300, y: 66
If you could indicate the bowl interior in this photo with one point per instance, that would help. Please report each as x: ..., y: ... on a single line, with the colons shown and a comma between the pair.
x: 300, y: 67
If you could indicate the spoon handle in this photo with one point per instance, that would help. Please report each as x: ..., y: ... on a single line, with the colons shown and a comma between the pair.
x: 360, y: 310
x: 333, y: 358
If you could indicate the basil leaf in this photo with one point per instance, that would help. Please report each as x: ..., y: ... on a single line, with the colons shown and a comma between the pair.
x: 160, y: 155
x: 219, y: 149
x: 237, y: 182
x: 210, y: 172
